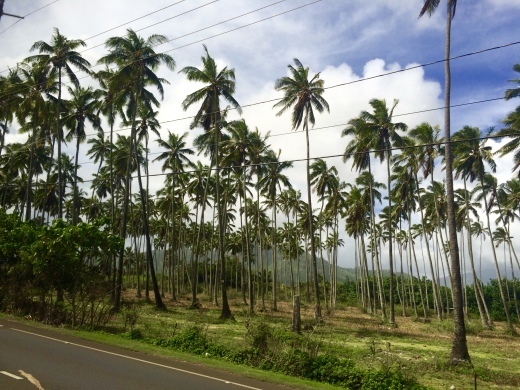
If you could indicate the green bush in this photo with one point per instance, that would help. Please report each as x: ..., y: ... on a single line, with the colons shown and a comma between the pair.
x: 191, y: 340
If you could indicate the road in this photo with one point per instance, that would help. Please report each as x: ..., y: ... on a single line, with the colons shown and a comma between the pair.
x: 33, y: 358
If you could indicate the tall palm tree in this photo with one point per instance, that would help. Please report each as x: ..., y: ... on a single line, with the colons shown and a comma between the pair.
x: 324, y: 180
x: 271, y: 184
x: 100, y: 147
x: 380, y: 134
x: 459, y: 350
x: 466, y: 205
x: 472, y: 156
x: 216, y: 84
x: 304, y: 95
x: 244, y: 148
x: 359, y: 149
x: 136, y: 63
x: 176, y: 159
x: 81, y: 108
x: 412, y: 162
x: 61, y: 53
x: 9, y: 87
x: 38, y: 81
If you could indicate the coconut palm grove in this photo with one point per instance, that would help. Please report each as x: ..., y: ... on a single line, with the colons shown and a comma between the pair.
x: 231, y: 240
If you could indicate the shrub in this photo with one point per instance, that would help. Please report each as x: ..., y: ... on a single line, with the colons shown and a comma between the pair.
x: 191, y: 340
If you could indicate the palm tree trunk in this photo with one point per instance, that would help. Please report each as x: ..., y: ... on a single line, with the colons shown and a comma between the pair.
x: 412, y: 249
x: 124, y: 218
x: 390, y: 249
x: 58, y: 135
x: 317, y: 310
x: 28, y: 195
x: 146, y: 230
x: 459, y: 350
x: 248, y: 255
x: 75, y: 208
x: 435, y: 287
x: 478, y: 296
x: 375, y: 250
x: 499, y: 278
x: 226, y: 311
x: 112, y: 204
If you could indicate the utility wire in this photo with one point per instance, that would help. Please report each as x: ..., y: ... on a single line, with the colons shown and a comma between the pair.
x: 213, y: 36
x: 295, y: 132
x: 23, y: 17
x: 196, y: 31
x: 155, y: 24
x: 135, y: 20
x: 354, y: 81
x: 113, y: 28
x: 396, y: 148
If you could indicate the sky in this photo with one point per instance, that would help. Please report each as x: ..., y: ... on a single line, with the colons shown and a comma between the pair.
x: 345, y: 41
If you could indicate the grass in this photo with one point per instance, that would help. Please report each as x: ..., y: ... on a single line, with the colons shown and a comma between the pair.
x: 419, y: 348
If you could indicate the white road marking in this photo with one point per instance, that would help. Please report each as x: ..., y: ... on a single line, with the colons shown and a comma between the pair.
x: 141, y: 360
x: 11, y: 375
x: 32, y: 379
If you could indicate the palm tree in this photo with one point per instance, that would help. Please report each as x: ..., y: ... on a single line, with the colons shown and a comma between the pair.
x: 466, y: 206
x: 99, y: 149
x: 38, y: 81
x: 217, y: 84
x: 81, y: 108
x: 270, y: 184
x: 61, y: 53
x: 514, y: 92
x: 324, y: 179
x: 511, y: 130
x: 175, y: 159
x: 243, y: 148
x: 459, y: 350
x: 136, y: 63
x: 408, y: 194
x: 412, y: 161
x: 9, y: 86
x: 359, y: 149
x: 304, y: 95
x: 379, y: 134
x: 472, y: 155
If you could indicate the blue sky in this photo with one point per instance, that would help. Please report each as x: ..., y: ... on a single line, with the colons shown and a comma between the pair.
x: 344, y: 40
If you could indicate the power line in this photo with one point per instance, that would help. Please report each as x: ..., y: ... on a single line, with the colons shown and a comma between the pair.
x: 396, y: 148
x: 113, y: 28
x: 348, y: 82
x: 135, y: 20
x: 155, y: 24
x: 23, y: 17
x: 313, y: 129
x: 190, y: 33
x: 210, y: 37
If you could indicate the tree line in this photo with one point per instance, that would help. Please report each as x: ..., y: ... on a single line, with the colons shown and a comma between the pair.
x: 207, y: 214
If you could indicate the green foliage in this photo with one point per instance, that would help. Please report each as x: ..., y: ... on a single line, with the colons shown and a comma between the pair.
x: 56, y: 273
x: 259, y: 334
x: 191, y: 340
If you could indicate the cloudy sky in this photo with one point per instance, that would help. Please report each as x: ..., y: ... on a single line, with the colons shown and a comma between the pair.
x: 346, y: 41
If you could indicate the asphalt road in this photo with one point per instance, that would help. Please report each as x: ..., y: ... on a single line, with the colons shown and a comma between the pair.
x: 32, y: 358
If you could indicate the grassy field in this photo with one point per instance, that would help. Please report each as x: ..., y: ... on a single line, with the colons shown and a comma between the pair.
x: 417, y: 348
